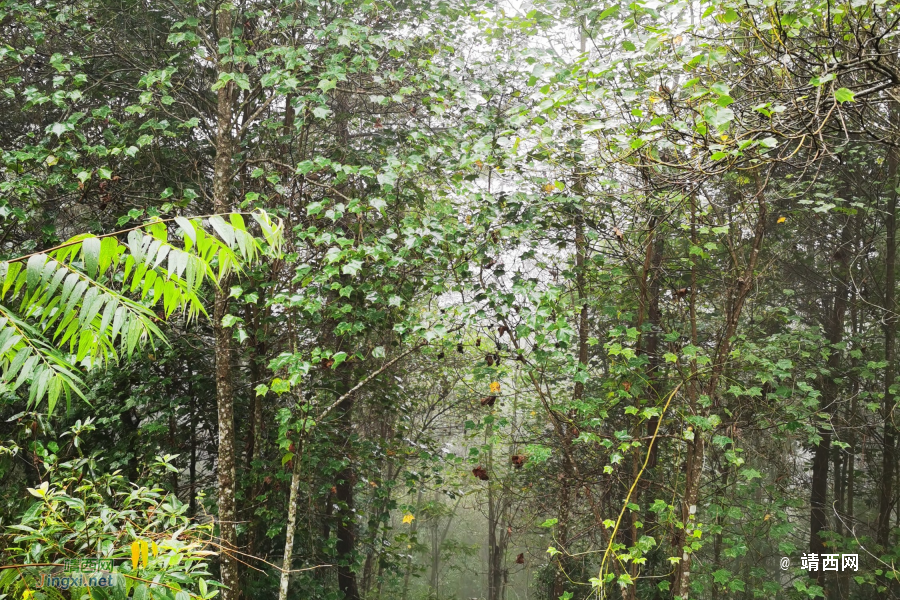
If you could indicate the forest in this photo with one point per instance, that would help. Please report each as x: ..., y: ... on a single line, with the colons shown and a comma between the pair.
x: 449, y: 300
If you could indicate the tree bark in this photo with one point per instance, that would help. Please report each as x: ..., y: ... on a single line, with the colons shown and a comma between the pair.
x: 738, y: 293
x: 834, y: 333
x: 224, y: 390
x: 293, y: 500
x: 192, y: 468
x: 562, y: 530
x: 497, y: 536
x: 346, y: 523
x: 412, y: 530
x: 889, y: 458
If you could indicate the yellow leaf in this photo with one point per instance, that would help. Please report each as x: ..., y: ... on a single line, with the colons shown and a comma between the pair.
x: 549, y: 187
x: 135, y: 553
x: 495, y: 387
x: 144, y: 553
x: 52, y: 160
x: 782, y: 219
x: 724, y: 137
x: 155, y: 549
x: 407, y: 518
x: 28, y: 594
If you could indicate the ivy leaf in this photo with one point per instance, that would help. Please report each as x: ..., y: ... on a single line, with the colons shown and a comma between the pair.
x: 230, y: 320
x: 844, y: 95
x: 338, y: 359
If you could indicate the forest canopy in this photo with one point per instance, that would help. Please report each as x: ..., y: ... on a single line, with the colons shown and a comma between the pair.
x: 455, y: 299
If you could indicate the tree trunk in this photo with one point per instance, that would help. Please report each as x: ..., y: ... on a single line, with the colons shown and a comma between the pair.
x: 224, y: 392
x: 738, y: 293
x: 437, y: 542
x: 412, y: 531
x: 192, y: 468
x: 889, y: 460
x: 293, y: 500
x: 346, y: 523
x: 889, y: 443
x: 562, y: 529
x: 497, y: 537
x: 255, y: 437
x: 834, y: 332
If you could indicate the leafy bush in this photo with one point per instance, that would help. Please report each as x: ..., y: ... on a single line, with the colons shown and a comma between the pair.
x: 84, y: 511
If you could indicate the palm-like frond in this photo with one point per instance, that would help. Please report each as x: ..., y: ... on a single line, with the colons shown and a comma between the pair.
x: 94, y: 299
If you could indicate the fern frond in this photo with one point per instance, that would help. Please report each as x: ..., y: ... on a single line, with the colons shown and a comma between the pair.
x: 95, y: 299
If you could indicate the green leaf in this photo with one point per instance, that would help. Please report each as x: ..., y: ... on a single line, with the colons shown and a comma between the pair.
x: 187, y: 228
x: 729, y: 16
x: 225, y: 231
x: 718, y: 117
x: 76, y: 314
x: 90, y: 249
x: 818, y: 81
x: 844, y: 95
x: 35, y: 269
x: 338, y: 359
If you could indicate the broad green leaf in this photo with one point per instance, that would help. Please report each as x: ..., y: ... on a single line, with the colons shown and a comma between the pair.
x: 90, y: 249
x: 844, y: 95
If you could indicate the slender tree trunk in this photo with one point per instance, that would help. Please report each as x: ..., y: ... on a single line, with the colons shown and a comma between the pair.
x: 562, y: 529
x: 293, y: 500
x: 412, y: 531
x: 493, y: 548
x: 851, y: 420
x: 192, y: 468
x: 346, y: 523
x: 380, y: 507
x: 647, y: 346
x: 224, y: 391
x: 435, y: 560
x: 834, y: 332
x: 498, y: 537
x: 738, y: 294
x: 889, y: 458
x: 255, y: 439
x: 889, y: 443
x: 436, y: 545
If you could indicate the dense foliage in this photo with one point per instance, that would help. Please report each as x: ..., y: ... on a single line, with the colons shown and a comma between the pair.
x: 537, y: 299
